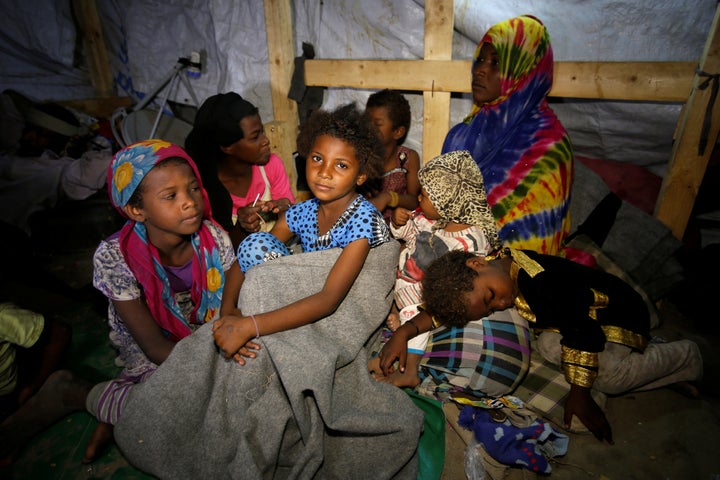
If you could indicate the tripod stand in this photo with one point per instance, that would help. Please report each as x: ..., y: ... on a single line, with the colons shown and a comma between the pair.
x: 133, y: 124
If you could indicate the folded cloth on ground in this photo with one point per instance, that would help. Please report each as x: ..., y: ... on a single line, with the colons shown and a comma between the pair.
x: 529, y: 447
x: 306, y: 407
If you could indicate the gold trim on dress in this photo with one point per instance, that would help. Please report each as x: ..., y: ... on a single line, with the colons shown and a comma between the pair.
x: 524, y: 309
x: 624, y: 337
x: 526, y: 263
x: 601, y: 300
x: 579, y: 357
x: 580, y: 376
x: 520, y: 303
x: 581, y: 368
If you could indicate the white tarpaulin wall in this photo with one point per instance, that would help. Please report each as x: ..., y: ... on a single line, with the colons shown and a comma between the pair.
x: 38, y: 52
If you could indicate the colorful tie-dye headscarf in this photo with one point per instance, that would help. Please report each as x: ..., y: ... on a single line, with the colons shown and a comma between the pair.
x: 456, y: 189
x: 128, y: 168
x: 522, y: 149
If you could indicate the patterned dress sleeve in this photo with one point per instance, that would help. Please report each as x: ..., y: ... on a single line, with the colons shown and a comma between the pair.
x: 224, y: 245
x: 111, y: 274
x: 365, y: 222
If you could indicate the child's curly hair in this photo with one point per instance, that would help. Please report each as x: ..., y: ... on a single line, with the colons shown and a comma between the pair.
x: 446, y: 283
x: 398, y: 108
x: 350, y: 125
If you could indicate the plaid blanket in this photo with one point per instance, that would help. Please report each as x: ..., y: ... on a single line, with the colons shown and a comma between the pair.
x: 545, y: 390
x: 488, y: 357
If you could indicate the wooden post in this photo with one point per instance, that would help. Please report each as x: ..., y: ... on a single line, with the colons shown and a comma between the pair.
x: 98, y: 64
x: 687, y: 164
x: 439, y: 20
x: 283, y: 130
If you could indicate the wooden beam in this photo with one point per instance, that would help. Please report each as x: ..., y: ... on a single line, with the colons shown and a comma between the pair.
x: 439, y: 20
x: 95, y: 50
x: 281, y: 55
x: 639, y: 81
x: 687, y: 164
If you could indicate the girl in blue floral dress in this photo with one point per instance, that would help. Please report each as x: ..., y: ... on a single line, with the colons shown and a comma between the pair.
x: 342, y: 152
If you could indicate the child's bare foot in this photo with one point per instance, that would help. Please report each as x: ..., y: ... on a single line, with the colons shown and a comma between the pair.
x: 62, y: 394
x: 393, y: 321
x: 99, y: 439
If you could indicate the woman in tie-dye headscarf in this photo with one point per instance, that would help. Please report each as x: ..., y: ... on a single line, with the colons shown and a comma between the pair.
x: 164, y: 272
x: 522, y: 149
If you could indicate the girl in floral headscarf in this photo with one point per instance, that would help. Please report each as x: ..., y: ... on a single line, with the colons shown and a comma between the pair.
x: 522, y: 149
x: 164, y: 272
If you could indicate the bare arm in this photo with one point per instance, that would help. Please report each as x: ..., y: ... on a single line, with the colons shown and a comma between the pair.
x: 234, y: 279
x: 280, y: 230
x: 141, y: 324
x: 413, y: 184
x: 581, y: 404
x: 396, y: 346
x: 232, y: 331
x: 407, y: 200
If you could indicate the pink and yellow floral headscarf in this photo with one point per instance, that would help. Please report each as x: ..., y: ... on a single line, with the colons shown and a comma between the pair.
x: 522, y: 149
x: 127, y: 170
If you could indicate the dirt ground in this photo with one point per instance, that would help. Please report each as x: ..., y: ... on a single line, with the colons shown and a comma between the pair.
x: 659, y: 434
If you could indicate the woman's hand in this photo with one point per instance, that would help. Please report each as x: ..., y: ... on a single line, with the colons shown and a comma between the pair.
x: 232, y: 335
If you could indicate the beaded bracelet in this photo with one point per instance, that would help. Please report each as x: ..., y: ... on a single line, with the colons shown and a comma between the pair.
x: 257, y: 330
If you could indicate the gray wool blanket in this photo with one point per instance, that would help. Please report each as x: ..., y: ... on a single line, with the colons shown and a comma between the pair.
x: 306, y: 407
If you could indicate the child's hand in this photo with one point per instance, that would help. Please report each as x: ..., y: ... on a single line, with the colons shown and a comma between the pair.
x: 394, y: 349
x: 249, y: 219
x: 232, y: 335
x: 581, y: 404
x: 400, y: 216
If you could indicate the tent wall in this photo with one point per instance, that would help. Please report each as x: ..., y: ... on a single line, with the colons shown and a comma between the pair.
x: 593, y: 41
x: 642, y: 81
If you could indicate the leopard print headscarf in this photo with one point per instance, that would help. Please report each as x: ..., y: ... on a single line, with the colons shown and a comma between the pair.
x: 456, y: 189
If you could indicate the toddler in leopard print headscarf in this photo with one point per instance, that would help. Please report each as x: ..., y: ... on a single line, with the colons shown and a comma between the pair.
x: 453, y: 215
